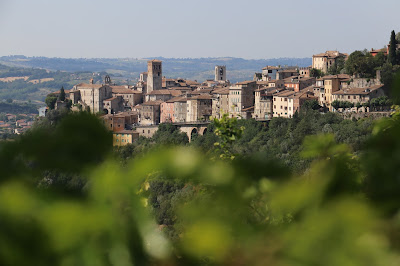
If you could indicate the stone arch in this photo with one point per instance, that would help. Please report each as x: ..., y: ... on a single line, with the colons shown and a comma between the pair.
x: 203, y: 130
x: 193, y: 133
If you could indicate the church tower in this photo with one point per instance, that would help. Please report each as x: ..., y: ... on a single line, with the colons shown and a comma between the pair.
x: 154, y: 75
x: 220, y: 73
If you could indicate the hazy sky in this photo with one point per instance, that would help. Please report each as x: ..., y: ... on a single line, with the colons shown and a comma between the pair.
x: 194, y: 28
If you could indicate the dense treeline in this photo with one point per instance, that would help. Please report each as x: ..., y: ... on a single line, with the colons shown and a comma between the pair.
x: 67, y: 200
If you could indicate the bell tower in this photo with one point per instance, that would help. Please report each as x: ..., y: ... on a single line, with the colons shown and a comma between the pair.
x: 220, y: 73
x: 154, y: 75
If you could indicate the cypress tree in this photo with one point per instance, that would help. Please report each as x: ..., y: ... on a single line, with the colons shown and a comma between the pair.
x: 62, y: 94
x: 392, y: 49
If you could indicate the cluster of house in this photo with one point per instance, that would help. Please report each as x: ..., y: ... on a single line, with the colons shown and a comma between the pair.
x: 274, y: 92
x: 16, y: 124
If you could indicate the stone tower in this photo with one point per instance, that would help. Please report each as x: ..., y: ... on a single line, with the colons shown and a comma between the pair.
x: 220, y: 73
x: 154, y: 75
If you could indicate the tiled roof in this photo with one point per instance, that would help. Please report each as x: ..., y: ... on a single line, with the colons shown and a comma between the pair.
x: 153, y: 103
x: 358, y: 91
x: 123, y: 90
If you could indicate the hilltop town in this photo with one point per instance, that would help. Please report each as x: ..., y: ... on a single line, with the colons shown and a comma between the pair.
x: 136, y: 110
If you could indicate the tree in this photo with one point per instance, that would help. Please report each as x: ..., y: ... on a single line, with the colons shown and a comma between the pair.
x: 361, y: 63
x: 315, y: 73
x: 50, y: 102
x: 337, y: 67
x: 392, y: 49
x: 379, y: 60
x: 311, y: 105
x: 61, y: 97
x: 9, y: 100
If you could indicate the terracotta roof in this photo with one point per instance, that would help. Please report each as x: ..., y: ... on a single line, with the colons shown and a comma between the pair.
x: 284, y: 93
x: 88, y: 85
x: 248, y: 108
x: 191, y: 82
x: 288, y: 70
x: 126, y: 132
x: 153, y: 103
x: 245, y: 82
x: 271, y: 67
x: 111, y: 99
x: 160, y: 92
x: 180, y: 88
x: 155, y: 60
x: 357, y: 91
x: 221, y: 91
x: 201, y: 97
x: 123, y: 90
x: 330, y: 54
x: 177, y: 99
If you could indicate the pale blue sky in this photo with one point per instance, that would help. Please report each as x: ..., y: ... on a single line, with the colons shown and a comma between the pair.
x: 194, y: 28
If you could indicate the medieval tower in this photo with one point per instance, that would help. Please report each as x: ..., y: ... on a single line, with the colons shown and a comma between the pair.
x: 154, y: 75
x: 220, y: 73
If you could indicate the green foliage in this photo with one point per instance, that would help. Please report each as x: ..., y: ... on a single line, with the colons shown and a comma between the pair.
x: 168, y: 134
x: 316, y: 73
x: 392, y: 58
x: 228, y: 131
x: 321, y: 190
x: 311, y: 105
x: 50, y: 102
x: 342, y: 104
x: 61, y: 97
x: 337, y: 67
x: 363, y: 64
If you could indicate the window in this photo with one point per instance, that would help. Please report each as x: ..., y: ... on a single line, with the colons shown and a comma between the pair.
x: 148, y: 131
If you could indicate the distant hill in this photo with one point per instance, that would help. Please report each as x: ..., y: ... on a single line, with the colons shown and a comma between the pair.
x: 130, y: 68
x: 67, y: 71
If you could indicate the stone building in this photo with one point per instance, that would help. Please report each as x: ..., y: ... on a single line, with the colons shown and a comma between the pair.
x: 270, y: 73
x: 130, y: 96
x: 263, y: 102
x: 180, y: 109
x: 241, y: 96
x: 286, y: 73
x: 154, y: 75
x: 167, y: 112
x: 91, y: 96
x: 331, y: 85
x: 220, y: 73
x: 358, y: 95
x: 220, y: 102
x: 125, y: 137
x: 199, y: 108
x: 162, y: 95
x: 150, y: 113
x: 283, y: 103
x: 113, y: 105
x: 298, y: 83
x: 325, y: 60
